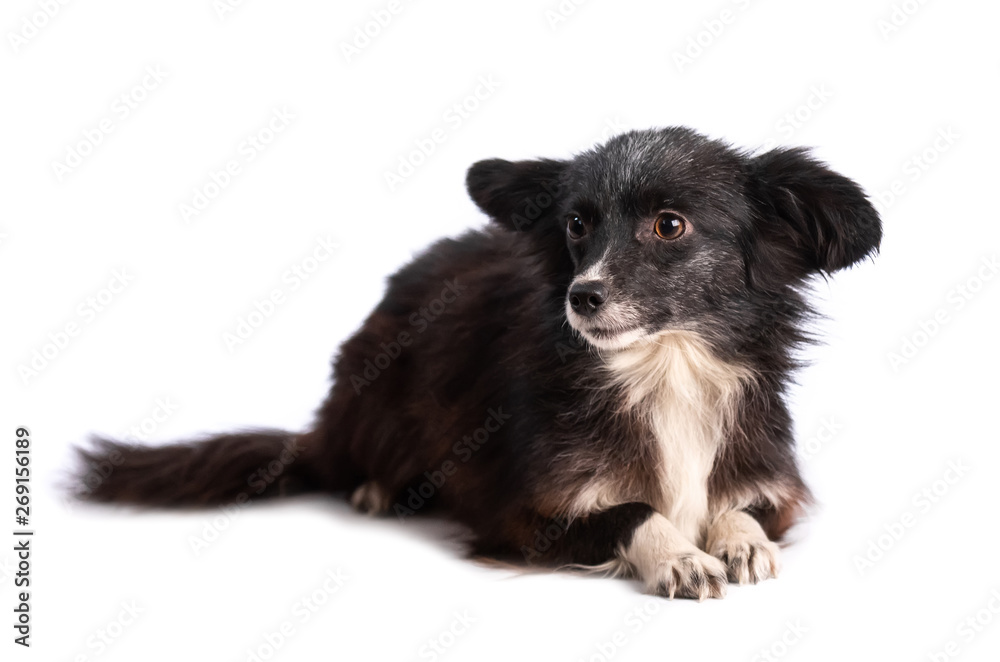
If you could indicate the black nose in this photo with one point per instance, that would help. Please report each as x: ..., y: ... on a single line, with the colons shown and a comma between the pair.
x: 586, y: 298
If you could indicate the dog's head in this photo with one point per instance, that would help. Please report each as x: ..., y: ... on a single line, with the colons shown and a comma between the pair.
x: 668, y: 230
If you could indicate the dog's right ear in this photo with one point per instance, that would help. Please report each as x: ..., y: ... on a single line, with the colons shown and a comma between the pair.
x: 518, y: 195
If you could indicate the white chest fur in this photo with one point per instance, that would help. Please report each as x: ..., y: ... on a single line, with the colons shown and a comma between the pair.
x: 687, y: 397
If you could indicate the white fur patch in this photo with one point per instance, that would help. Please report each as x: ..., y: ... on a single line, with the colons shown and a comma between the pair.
x: 594, y: 271
x: 739, y: 541
x: 597, y: 495
x: 670, y: 565
x: 688, y: 397
x: 622, y: 339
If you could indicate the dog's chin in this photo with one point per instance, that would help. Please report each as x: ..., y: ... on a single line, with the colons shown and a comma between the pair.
x: 610, y: 339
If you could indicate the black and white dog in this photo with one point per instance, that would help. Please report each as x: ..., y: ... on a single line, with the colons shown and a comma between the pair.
x: 596, y: 379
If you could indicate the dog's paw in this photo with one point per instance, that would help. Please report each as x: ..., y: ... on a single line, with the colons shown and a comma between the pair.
x: 370, y: 498
x: 748, y: 560
x: 739, y: 541
x: 670, y: 565
x: 688, y: 575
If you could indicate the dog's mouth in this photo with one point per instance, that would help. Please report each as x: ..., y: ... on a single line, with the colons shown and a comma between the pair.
x: 615, y: 328
x: 603, y: 333
x: 612, y: 340
x: 609, y: 338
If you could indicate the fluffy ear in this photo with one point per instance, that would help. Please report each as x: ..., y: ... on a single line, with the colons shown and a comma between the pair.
x: 816, y: 219
x: 517, y: 195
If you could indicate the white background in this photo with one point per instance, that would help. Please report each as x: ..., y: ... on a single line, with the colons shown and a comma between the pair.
x: 877, y: 432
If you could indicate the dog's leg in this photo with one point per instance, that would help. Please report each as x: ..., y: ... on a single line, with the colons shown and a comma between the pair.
x: 739, y: 541
x: 635, y: 537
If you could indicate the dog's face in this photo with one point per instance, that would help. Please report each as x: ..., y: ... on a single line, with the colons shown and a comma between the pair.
x: 668, y: 230
x: 652, y: 225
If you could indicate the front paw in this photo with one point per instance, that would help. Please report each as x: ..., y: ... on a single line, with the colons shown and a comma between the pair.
x: 747, y: 560
x: 688, y: 575
x: 670, y: 565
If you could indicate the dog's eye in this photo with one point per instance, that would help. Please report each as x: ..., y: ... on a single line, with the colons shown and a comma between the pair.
x: 669, y: 225
x: 575, y: 227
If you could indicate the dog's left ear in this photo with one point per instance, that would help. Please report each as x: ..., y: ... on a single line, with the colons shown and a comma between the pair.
x: 818, y: 220
x: 518, y: 195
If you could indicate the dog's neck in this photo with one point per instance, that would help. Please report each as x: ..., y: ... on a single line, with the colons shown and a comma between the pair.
x: 688, y: 399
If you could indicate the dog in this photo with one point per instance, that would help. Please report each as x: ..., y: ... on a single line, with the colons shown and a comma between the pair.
x: 595, y: 379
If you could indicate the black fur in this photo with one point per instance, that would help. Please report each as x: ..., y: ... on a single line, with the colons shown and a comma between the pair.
x: 468, y: 390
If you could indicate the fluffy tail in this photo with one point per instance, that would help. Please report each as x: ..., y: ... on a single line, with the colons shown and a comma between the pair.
x: 213, y: 470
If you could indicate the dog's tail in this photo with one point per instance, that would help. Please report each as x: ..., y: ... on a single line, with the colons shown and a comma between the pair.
x: 213, y: 470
